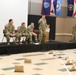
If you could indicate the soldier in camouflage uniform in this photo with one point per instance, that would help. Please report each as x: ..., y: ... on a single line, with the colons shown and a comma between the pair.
x: 74, y: 34
x: 9, y: 30
x: 42, y: 28
x: 30, y: 32
x: 22, y: 31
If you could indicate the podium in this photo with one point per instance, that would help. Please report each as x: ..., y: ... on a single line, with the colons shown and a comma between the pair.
x: 47, y: 33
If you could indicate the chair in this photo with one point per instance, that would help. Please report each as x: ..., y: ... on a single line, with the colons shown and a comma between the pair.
x: 11, y: 36
x: 36, y: 31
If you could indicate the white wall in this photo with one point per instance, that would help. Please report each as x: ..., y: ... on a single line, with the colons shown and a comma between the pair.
x: 14, y: 9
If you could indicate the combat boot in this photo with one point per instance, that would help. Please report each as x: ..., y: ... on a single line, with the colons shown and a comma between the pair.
x: 31, y: 42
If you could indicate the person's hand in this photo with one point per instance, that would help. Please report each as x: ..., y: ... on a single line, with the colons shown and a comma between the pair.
x: 23, y: 34
x: 12, y: 34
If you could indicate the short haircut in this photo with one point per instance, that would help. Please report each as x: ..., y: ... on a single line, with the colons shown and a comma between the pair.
x: 22, y: 23
x: 32, y: 22
x: 10, y: 20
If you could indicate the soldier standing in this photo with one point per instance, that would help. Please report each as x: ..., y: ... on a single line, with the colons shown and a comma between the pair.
x: 22, y: 31
x: 30, y: 32
x: 9, y: 30
x: 42, y: 28
x: 74, y: 34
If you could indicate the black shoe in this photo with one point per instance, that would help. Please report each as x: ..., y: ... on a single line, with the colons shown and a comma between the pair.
x: 31, y: 42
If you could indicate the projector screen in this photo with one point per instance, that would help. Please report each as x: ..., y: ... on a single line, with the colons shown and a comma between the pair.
x: 13, y: 9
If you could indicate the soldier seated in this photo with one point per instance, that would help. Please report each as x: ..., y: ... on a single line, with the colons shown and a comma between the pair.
x: 30, y: 32
x: 9, y: 31
x: 22, y: 31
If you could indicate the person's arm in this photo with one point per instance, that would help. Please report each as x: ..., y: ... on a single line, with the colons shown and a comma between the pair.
x: 40, y: 21
x: 13, y: 30
x: 19, y: 31
x: 45, y: 23
x: 5, y: 29
x: 25, y: 31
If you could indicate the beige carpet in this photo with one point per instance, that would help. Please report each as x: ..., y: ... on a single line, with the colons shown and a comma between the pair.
x: 43, y: 63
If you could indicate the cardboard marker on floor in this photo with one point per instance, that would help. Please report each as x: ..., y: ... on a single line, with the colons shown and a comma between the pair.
x: 60, y: 56
x: 28, y: 61
x: 51, y: 52
x: 19, y: 69
x: 73, y: 68
x: 69, y: 62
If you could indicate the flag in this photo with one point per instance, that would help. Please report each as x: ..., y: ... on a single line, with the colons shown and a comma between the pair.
x: 46, y: 7
x: 58, y: 8
x: 53, y: 7
x: 70, y: 7
x: 74, y: 8
x: 55, y: 4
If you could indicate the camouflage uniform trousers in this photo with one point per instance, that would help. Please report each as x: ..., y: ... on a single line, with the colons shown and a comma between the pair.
x: 7, y: 35
x: 42, y: 35
x: 73, y: 38
x: 19, y: 35
x: 30, y: 34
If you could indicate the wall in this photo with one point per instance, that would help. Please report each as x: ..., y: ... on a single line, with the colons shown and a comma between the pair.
x: 15, y: 9
x: 36, y: 5
x: 64, y: 24
x: 64, y: 3
x: 60, y: 29
x: 69, y: 23
x: 35, y: 9
x: 64, y: 28
x: 36, y: 1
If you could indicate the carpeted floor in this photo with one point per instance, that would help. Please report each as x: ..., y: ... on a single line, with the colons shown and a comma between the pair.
x: 43, y: 63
